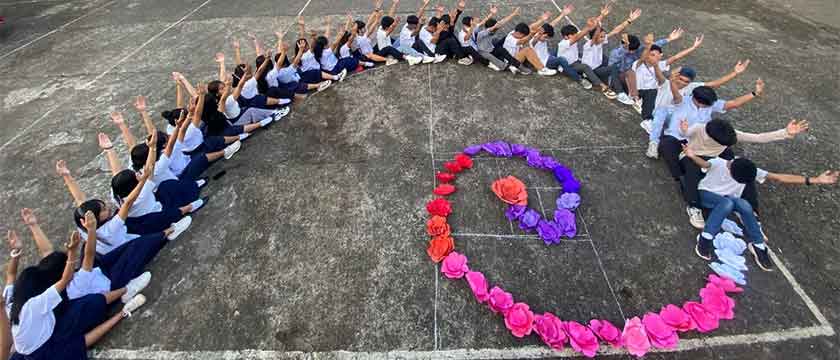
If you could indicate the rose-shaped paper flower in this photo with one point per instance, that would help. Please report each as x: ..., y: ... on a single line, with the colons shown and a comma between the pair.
x: 606, y: 331
x: 454, y: 266
x: 472, y: 150
x: 549, y: 163
x: 514, y: 212
x: 529, y: 220
x: 571, y: 186
x: 715, y: 300
x: 581, y: 338
x: 565, y: 220
x: 519, y: 320
x: 445, y: 177
x: 453, y: 167
x: 510, y: 190
x: 439, y: 247
x: 497, y: 148
x: 500, y: 301
x: 725, y: 284
x: 568, y: 201
x: 444, y: 190
x: 548, y: 232
x: 534, y: 159
x: 676, y: 318
x: 464, y: 161
x: 660, y: 334
x: 440, y: 207
x: 478, y: 284
x: 550, y: 329
x: 518, y: 150
x: 706, y: 320
x: 561, y: 173
x: 635, y: 338
x: 437, y: 226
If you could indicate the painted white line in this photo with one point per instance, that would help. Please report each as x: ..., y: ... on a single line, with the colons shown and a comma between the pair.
x: 527, y: 352
x: 603, y: 271
x: 62, y: 27
x: 437, y: 294
x: 434, y: 184
x: 800, y: 291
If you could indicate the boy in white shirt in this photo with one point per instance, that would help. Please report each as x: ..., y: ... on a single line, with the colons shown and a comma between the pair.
x: 515, y: 43
x: 567, y: 49
x: 408, y: 36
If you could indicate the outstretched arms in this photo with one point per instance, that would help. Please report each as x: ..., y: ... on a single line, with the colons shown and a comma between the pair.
x: 117, y: 119
x: 828, y: 177
x: 743, y: 99
x: 739, y: 69
x: 624, y: 24
x: 220, y: 59
x: 77, y: 193
x: 697, y: 42
x: 108, y: 148
x: 504, y: 21
x: 567, y: 9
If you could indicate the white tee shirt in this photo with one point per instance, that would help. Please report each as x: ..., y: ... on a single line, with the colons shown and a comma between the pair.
x: 383, y: 39
x: 541, y: 48
x: 308, y: 62
x: 146, y: 202
x: 593, y: 54
x: 162, y: 170
x: 270, y: 80
x: 344, y: 51
x: 249, y: 90
x: 567, y: 50
x: 328, y: 59
x: 193, y: 138
x: 363, y: 44
x: 469, y: 42
x: 426, y: 38
x: 37, y: 321
x: 110, y: 235
x: 719, y: 180
x: 406, y: 36
x: 232, y: 109
x: 646, y: 75
x: 88, y: 282
x: 665, y: 98
x: 511, y: 44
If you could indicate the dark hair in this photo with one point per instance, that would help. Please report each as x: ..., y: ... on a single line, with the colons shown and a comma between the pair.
x: 30, y: 283
x: 688, y: 72
x: 548, y: 30
x: 140, y: 152
x: 433, y: 21
x: 361, y: 26
x: 656, y: 48
x: 466, y: 20
x: 633, y: 43
x: 522, y: 28
x: 95, y: 206
x: 343, y: 40
x: 743, y: 170
x: 722, y: 132
x: 446, y: 19
x: 53, y: 264
x: 386, y: 22
x: 321, y: 43
x: 491, y: 22
x: 172, y: 116
x: 412, y: 19
x: 262, y: 83
x: 297, y: 48
x: 122, y: 184
x: 238, y: 73
x: 568, y: 30
x: 213, y: 87
x: 592, y: 32
x: 704, y: 95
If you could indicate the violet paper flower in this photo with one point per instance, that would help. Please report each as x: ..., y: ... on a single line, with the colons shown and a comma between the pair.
x: 534, y: 159
x: 549, y: 163
x: 514, y: 212
x: 518, y: 150
x: 497, y: 149
x: 568, y: 201
x: 565, y: 221
x: 529, y: 220
x: 548, y: 232
x: 472, y: 150
x: 571, y: 186
x: 561, y: 173
x: 606, y: 331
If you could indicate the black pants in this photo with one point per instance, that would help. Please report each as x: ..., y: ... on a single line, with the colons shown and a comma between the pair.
x: 450, y: 47
x: 670, y: 149
x: 501, y: 53
x: 390, y: 51
x: 471, y: 51
x: 421, y: 47
x: 648, y: 102
x: 692, y: 174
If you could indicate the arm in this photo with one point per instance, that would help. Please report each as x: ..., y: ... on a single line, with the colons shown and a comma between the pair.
x: 393, y: 26
x: 372, y: 21
x: 504, y: 21
x: 660, y: 77
x: 220, y: 59
x: 41, y: 241
x: 539, y: 21
x: 826, y: 178
x: 263, y: 67
x: 90, y: 244
x: 567, y: 9
x: 740, y: 67
x: 227, y: 92
x: 422, y: 9
x: 69, y: 268
x: 697, y: 41
x: 393, y: 9
x: 257, y: 47
x: 148, y: 171
x: 117, y: 118
x: 469, y: 34
x: 179, y: 96
x: 677, y: 97
x: 14, y: 260
x: 182, y: 126
x: 743, y: 99
x: 108, y: 148
x: 327, y: 29
x: 180, y: 77
x: 336, y: 42
x: 646, y: 44
x: 198, y: 110
x: 78, y: 196
x: 624, y: 24
x: 140, y: 105
x: 301, y: 27
x: 237, y: 53
x: 591, y: 23
x: 697, y: 160
x: 793, y: 128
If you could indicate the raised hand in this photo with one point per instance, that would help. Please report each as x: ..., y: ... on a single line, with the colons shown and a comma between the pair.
x: 635, y: 14
x: 177, y: 76
x: 300, y: 20
x: 759, y: 87
x: 461, y: 5
x: 140, y: 103
x: 606, y: 10
x: 252, y: 36
x: 440, y: 8
x: 236, y: 43
x: 676, y: 34
x: 12, y: 238
x: 220, y: 57
x: 742, y: 66
x: 516, y: 11
x: 687, y: 150
x: 697, y: 41
x: 567, y: 9
x: 28, y: 217
x: 201, y: 89
x: 61, y: 168
x: 73, y: 244
x: 90, y: 220
x: 795, y: 127
x: 684, y: 126
x: 827, y: 177
x: 545, y: 16
x: 675, y: 74
x: 649, y: 39
x: 117, y: 118
x: 591, y: 22
x: 494, y: 10
x: 104, y: 141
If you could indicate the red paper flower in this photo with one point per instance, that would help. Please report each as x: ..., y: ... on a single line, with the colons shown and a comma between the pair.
x: 439, y: 247
x: 437, y: 226
x: 444, y: 189
x: 445, y: 177
x: 439, y: 207
x: 453, y: 167
x: 465, y: 161
x: 511, y: 190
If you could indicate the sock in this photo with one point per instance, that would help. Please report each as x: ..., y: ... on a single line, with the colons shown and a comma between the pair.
x: 266, y: 121
x: 196, y: 204
x: 707, y: 236
x: 200, y: 182
x: 761, y: 246
x: 244, y: 136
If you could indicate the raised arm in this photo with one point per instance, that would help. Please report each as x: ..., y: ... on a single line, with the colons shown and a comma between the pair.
x: 591, y: 23
x: 567, y: 9
x: 182, y: 125
x: 793, y: 128
x: 237, y: 52
x: 505, y: 20
x: 539, y: 21
x: 697, y: 42
x: 301, y: 24
x: 739, y: 69
x: 422, y: 9
x: 108, y: 148
x: 128, y: 138
x: 826, y: 178
x: 43, y: 243
x: 220, y: 59
x: 179, y: 96
x: 140, y: 106
x: 373, y: 22
x: 327, y: 29
x: 78, y: 196
x: 70, y: 265
x: 263, y: 67
x: 198, y: 111
x: 90, y: 244
x: 180, y: 78
x: 257, y: 46
x: 743, y: 99
x: 469, y: 34
x: 148, y: 171
x: 647, y: 42
x: 676, y: 95
x: 624, y: 24
x: 227, y: 92
x: 393, y: 10
x: 14, y: 259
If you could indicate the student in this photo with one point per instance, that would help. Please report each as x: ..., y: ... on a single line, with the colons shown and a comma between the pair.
x: 429, y: 36
x: 362, y: 46
x: 289, y: 77
x: 567, y: 49
x: 325, y: 54
x: 384, y: 43
x: 647, y: 73
x: 720, y: 191
x: 592, y: 54
x: 408, y: 34
x: 468, y: 37
x: 310, y: 69
x: 447, y: 42
x: 515, y: 43
x: 498, y: 58
x: 623, y: 57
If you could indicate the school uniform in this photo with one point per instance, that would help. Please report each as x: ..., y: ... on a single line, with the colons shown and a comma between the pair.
x: 237, y: 114
x: 156, y: 211
x: 310, y: 69
x: 425, y: 45
x: 671, y: 139
x: 289, y: 79
x: 214, y: 122
x: 362, y: 47
x: 721, y: 194
x: 333, y: 65
x: 470, y: 47
x: 195, y: 141
x: 88, y: 282
x: 648, y: 85
x: 406, y: 42
x: 592, y: 55
x: 384, y: 46
x: 484, y: 45
x: 571, y: 52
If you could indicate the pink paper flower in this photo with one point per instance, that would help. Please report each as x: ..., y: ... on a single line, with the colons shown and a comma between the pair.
x: 660, y: 334
x: 478, y: 284
x: 676, y: 318
x: 634, y: 337
x: 606, y: 331
x: 724, y: 283
x: 706, y: 320
x: 500, y: 301
x: 454, y: 266
x: 716, y: 301
x: 550, y: 329
x: 519, y: 320
x: 581, y: 338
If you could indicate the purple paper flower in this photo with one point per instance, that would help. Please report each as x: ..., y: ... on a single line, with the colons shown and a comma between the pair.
x: 548, y: 232
x: 568, y: 201
x: 472, y: 150
x: 561, y: 173
x: 571, y: 186
x: 528, y: 221
x: 514, y: 212
x: 497, y: 148
x: 534, y: 159
x: 517, y: 149
x: 566, y: 224
x: 549, y: 163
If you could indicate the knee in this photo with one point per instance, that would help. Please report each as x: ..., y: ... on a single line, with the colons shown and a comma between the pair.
x: 743, y: 206
x: 726, y: 204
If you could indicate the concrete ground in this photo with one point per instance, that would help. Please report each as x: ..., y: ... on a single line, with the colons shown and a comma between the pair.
x: 313, y: 244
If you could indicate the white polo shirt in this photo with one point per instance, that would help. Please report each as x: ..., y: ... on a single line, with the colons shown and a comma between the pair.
x: 308, y: 62
x: 146, y: 202
x: 383, y: 39
x: 568, y: 51
x: 406, y: 36
x: 593, y: 54
x: 719, y: 180
x: 88, y: 282
x: 664, y: 97
x: 541, y: 48
x: 646, y: 75
x: 249, y: 90
x: 37, y: 321
x: 328, y: 60
x: 110, y: 235
x: 363, y: 44
x: 426, y: 38
x: 511, y: 44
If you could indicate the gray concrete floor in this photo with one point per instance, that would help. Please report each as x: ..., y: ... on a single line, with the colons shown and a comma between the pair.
x: 314, y: 240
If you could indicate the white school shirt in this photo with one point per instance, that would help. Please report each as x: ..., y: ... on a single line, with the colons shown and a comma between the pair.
x: 426, y: 38
x: 665, y: 98
x: 383, y: 39
x: 646, y: 75
x: 162, y: 171
x: 88, y: 282
x: 406, y: 36
x: 249, y: 90
x: 270, y: 79
x: 719, y: 180
x: 37, y: 321
x: 328, y: 60
x: 511, y: 44
x: 110, y: 235
x: 362, y: 43
x: 541, y: 48
x: 193, y: 138
x: 469, y: 42
x: 308, y: 62
x: 8, y: 291
x: 232, y: 109
x: 568, y: 51
x: 593, y: 54
x: 344, y: 51
x: 146, y: 202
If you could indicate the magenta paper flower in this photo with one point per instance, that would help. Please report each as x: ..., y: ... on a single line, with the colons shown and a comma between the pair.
x: 500, y: 301
x: 606, y: 331
x: 550, y: 330
x: 548, y: 232
x: 568, y: 201
x: 581, y: 338
x: 478, y: 284
x: 634, y: 337
x: 518, y: 150
x: 472, y: 150
x: 519, y: 320
x: 454, y: 266
x: 725, y: 284
x: 529, y: 220
x: 660, y: 334
x: 676, y: 318
x: 565, y: 220
x: 706, y: 320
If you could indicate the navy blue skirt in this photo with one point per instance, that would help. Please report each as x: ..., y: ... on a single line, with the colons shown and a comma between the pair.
x: 68, y: 338
x: 128, y: 261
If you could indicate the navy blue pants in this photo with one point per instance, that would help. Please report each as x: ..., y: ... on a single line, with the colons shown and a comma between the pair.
x: 128, y: 261
x: 68, y: 338
x: 310, y: 76
x: 348, y: 63
x: 198, y: 164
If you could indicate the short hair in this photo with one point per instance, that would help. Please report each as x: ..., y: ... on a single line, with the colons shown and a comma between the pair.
x: 656, y: 48
x: 94, y: 205
x: 743, y: 170
x: 412, y: 19
x: 592, y: 32
x: 446, y: 19
x: 172, y: 116
x: 688, y: 72
x: 568, y: 30
x: 386, y: 22
x: 491, y: 22
x: 722, y: 132
x: 213, y: 86
x: 360, y: 25
x: 522, y: 28
x: 633, y: 42
x: 123, y: 183
x: 433, y: 21
x: 548, y: 30
x: 704, y: 95
x: 466, y: 21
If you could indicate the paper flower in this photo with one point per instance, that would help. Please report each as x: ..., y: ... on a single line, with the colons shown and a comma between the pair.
x: 550, y: 330
x: 571, y: 186
x: 676, y: 318
x: 464, y: 161
x: 444, y: 190
x: 660, y: 334
x: 725, y: 284
x: 715, y: 300
x: 478, y: 285
x: 518, y: 150
x: 581, y: 338
x: 729, y: 272
x: 519, y: 320
x: 437, y: 226
x: 514, y: 212
x: 445, y: 177
x: 565, y: 220
x: 548, y: 232
x: 562, y: 173
x: 510, y: 190
x: 529, y: 220
x: 634, y: 337
x: 472, y: 150
x: 454, y: 266
x: 439, y: 247
x: 439, y: 206
x: 453, y: 167
x: 706, y: 320
x: 568, y: 201
x: 548, y: 163
x: 497, y: 149
x: 606, y: 331
x: 534, y: 159
x: 500, y: 301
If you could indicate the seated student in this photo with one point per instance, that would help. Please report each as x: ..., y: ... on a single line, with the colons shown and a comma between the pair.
x: 216, y: 123
x: 41, y: 332
x: 310, y: 67
x: 567, y: 49
x: 498, y: 59
x: 384, y: 44
x: 325, y: 54
x: 592, y: 54
x: 715, y: 139
x: 447, y: 43
x: 194, y: 139
x: 289, y: 78
x: 720, y: 191
x: 362, y: 46
x: 647, y: 73
x: 428, y: 37
x: 623, y: 57
x: 468, y: 37
x: 515, y: 42
x: 408, y: 34
x: 238, y: 113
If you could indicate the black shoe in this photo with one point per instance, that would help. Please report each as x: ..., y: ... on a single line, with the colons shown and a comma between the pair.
x: 704, y: 248
x: 762, y: 257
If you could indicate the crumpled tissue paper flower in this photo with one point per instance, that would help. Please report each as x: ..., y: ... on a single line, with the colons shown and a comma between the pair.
x: 731, y: 227
x: 676, y: 318
x: 510, y: 190
x: 729, y: 272
x: 634, y: 337
x: 497, y: 149
x: 529, y: 220
x: 464, y: 161
x: 454, y: 265
x: 518, y: 150
x: 568, y: 201
x: 548, y: 232
x: 472, y: 150
x: 453, y: 167
x: 571, y: 186
x: 437, y: 226
x: 606, y: 331
x: 550, y: 330
x: 445, y: 177
x: 725, y: 284
x: 726, y: 240
x: 439, y: 247
x: 519, y: 320
x: 581, y: 338
x: 548, y: 163
x: 660, y: 334
x: 514, y: 212
x: 706, y: 320
x: 715, y: 300
x: 562, y: 173
x: 478, y: 285
x: 726, y: 256
x: 444, y: 190
x: 439, y: 206
x: 565, y: 220
x: 500, y: 301
x: 534, y: 159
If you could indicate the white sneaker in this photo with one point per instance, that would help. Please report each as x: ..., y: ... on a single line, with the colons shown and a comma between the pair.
x: 232, y: 149
x: 647, y: 125
x: 135, y: 286
x: 652, y: 150
x: 179, y: 227
x: 413, y: 60
x: 324, y: 85
x: 281, y: 113
x: 547, y: 72
x: 513, y: 69
x: 467, y: 60
x: 428, y: 59
x: 637, y: 105
x: 367, y: 64
x: 391, y: 61
x: 624, y: 99
x: 586, y: 84
x: 439, y: 58
x: 695, y: 217
x: 493, y: 67
x: 342, y: 75
x: 133, y: 304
